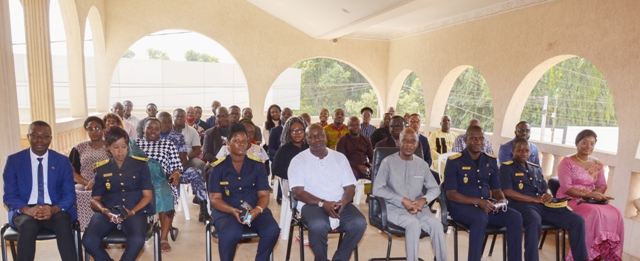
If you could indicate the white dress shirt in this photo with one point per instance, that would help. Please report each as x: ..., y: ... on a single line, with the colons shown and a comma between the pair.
x: 33, y: 199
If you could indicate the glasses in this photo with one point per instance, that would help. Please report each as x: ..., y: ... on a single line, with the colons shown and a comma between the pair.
x: 152, y: 109
x: 523, y: 130
x: 366, y: 114
x: 251, y: 132
x: 36, y: 136
x: 297, y: 131
x: 397, y: 125
x: 414, y: 121
x: 128, y: 107
x: 93, y: 129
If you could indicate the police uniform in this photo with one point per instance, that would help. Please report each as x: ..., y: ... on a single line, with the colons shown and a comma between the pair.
x: 530, y: 181
x: 119, y: 187
x: 237, y: 188
x: 477, y: 179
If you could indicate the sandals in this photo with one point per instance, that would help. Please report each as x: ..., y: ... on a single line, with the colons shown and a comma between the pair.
x: 164, y: 246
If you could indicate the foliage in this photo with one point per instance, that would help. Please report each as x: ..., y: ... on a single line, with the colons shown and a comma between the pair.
x: 157, y: 54
x: 411, y: 97
x: 331, y: 84
x: 128, y: 54
x: 583, y: 97
x: 194, y: 56
x: 470, y: 99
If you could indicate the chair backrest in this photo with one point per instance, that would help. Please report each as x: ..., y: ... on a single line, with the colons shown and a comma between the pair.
x: 442, y: 162
x: 554, y: 185
x: 380, y: 153
x: 443, y: 195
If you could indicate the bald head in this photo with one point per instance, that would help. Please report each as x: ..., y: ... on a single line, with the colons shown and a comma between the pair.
x: 474, y: 122
x: 117, y: 108
x: 315, y: 127
x: 407, y: 143
x: 408, y: 132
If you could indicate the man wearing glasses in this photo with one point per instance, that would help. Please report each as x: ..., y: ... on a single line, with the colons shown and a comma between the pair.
x: 523, y: 130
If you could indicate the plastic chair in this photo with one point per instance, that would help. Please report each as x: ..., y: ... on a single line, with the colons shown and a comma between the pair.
x: 118, y: 237
x: 285, y: 210
x: 442, y: 161
x: 11, y: 234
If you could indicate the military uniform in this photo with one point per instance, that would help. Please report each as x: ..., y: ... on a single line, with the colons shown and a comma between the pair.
x: 528, y: 180
x: 119, y: 187
x: 237, y: 188
x: 477, y: 179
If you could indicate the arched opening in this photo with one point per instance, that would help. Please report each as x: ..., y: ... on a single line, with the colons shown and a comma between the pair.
x: 411, y: 98
x: 59, y: 62
x: 570, y: 96
x: 20, y: 59
x: 89, y: 67
x: 313, y: 84
x: 468, y: 99
x: 176, y: 69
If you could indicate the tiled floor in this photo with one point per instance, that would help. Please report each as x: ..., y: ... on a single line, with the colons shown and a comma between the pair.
x: 190, y: 244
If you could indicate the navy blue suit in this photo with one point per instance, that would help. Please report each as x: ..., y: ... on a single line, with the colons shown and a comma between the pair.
x: 426, y: 151
x: 274, y: 141
x: 529, y: 181
x: 463, y: 175
x: 236, y: 189
x: 18, y: 183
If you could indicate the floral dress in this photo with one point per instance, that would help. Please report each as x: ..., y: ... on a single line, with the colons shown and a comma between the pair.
x: 603, y: 224
x: 82, y: 158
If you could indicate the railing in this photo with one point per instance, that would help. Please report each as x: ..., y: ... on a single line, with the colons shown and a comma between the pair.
x: 69, y: 132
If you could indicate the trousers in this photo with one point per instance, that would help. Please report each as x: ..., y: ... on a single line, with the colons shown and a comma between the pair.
x: 28, y: 228
x: 352, y: 222
x: 100, y: 226
x: 414, y: 225
x: 230, y: 233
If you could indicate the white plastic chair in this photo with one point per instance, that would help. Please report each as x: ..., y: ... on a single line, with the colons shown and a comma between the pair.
x: 360, y: 190
x: 442, y: 161
x: 182, y: 203
x: 285, y: 209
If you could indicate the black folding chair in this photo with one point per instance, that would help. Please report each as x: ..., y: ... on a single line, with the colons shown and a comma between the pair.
x: 378, y: 209
x: 118, y: 237
x: 11, y: 234
x: 211, y: 231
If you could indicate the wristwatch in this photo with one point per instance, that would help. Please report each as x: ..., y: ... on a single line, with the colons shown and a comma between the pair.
x: 321, y: 203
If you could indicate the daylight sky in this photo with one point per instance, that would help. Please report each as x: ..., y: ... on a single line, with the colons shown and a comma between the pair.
x: 174, y: 42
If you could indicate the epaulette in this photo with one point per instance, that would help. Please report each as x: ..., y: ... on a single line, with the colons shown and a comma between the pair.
x: 220, y: 160
x: 140, y: 158
x: 455, y: 156
x: 532, y: 164
x: 100, y: 163
x: 254, y: 158
x: 507, y: 162
x: 491, y: 155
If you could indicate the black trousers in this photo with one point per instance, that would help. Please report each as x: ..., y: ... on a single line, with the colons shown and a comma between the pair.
x: 532, y: 216
x: 230, y: 233
x: 100, y: 226
x: 59, y: 223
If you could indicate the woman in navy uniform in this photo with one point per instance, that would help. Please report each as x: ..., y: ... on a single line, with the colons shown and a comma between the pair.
x: 523, y: 183
x: 234, y: 180
x: 123, y: 184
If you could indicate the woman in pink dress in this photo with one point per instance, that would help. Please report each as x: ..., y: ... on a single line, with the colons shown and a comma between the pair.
x: 582, y: 177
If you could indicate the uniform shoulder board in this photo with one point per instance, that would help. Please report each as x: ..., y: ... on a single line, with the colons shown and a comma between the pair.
x: 100, y: 163
x: 507, y: 162
x: 455, y: 156
x: 140, y: 158
x: 220, y: 160
x: 254, y: 158
x: 491, y: 155
x: 532, y: 164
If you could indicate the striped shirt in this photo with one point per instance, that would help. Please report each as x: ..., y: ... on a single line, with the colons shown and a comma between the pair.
x: 367, y: 130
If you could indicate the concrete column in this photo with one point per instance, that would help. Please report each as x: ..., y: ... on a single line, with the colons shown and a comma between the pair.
x: 77, y: 83
x: 547, y: 164
x: 36, y: 20
x: 556, y: 161
x: 10, y: 138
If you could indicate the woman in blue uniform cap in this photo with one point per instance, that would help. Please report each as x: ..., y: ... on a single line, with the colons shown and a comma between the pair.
x: 121, y: 197
x: 239, y: 194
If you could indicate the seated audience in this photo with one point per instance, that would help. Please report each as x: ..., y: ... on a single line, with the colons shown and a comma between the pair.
x: 400, y: 182
x: 128, y: 107
x: 396, y: 125
x: 382, y: 132
x: 582, y: 178
x: 523, y: 184
x: 523, y: 130
x: 133, y: 184
x: 324, y: 117
x: 276, y: 133
x: 239, y: 182
x: 273, y: 120
x: 118, y: 109
x: 459, y: 144
x: 473, y: 192
x: 292, y: 142
x: 406, y: 119
x: 234, y: 114
x: 211, y: 121
x: 441, y: 141
x: 190, y: 120
x: 391, y: 111
x: 414, y: 123
x: 216, y: 137
x: 306, y: 117
x: 247, y: 113
x: 198, y: 120
x: 34, y: 204
x: 151, y: 110
x: 112, y: 119
x: 254, y: 151
x: 82, y: 158
x: 336, y: 130
x: 322, y: 181
x: 366, y: 129
x: 357, y: 148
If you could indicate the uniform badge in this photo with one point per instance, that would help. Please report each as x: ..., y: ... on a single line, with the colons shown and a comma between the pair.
x: 465, y: 179
x: 520, y: 185
x: 226, y: 191
x: 520, y: 174
x: 466, y: 168
x: 108, y: 185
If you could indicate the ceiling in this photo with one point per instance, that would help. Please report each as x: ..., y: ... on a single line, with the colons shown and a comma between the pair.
x: 383, y: 19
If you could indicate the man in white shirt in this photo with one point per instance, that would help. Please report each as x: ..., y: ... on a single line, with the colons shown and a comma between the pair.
x: 128, y: 107
x: 191, y: 136
x: 322, y: 180
x: 118, y: 109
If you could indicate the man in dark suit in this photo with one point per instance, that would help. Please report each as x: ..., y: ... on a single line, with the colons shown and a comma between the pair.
x: 34, y: 204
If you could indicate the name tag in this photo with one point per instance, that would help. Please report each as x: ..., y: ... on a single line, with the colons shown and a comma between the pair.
x: 418, y: 177
x: 466, y: 168
x: 107, y: 175
x: 224, y: 182
x: 519, y: 174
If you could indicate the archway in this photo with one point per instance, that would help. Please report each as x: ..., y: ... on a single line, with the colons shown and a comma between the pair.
x: 312, y: 84
x: 468, y: 98
x: 411, y: 99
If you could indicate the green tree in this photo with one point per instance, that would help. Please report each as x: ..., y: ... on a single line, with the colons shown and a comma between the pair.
x: 128, y: 54
x: 583, y: 96
x: 331, y: 84
x: 470, y: 98
x: 194, y: 56
x: 411, y: 97
x: 157, y: 54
